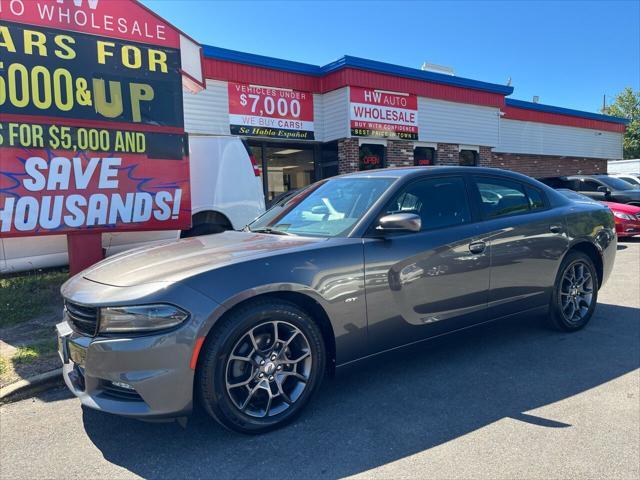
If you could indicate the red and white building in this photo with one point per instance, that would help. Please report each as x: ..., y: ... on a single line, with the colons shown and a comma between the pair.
x: 305, y: 122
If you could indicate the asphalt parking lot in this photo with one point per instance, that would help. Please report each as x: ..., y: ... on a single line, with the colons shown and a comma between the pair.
x: 508, y: 400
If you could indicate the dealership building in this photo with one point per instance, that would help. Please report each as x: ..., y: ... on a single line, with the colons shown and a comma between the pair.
x: 305, y: 122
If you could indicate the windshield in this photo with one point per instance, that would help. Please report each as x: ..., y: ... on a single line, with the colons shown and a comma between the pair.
x: 326, y: 209
x: 616, y: 183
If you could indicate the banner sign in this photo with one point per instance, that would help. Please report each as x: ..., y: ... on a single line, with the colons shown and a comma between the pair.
x: 73, y: 75
x: 46, y: 191
x: 91, y: 129
x: 376, y: 113
x: 270, y: 112
x: 108, y: 18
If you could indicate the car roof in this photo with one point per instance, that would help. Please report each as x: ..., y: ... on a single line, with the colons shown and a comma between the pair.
x: 400, y: 172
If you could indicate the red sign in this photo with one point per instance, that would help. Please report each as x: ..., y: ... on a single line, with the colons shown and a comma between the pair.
x: 50, y: 192
x: 376, y: 113
x: 270, y: 112
x: 91, y: 130
x: 109, y: 18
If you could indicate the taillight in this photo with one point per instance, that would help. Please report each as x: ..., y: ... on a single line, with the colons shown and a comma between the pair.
x: 256, y: 170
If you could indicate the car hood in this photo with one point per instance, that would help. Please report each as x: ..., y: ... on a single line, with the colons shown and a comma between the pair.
x: 175, y: 261
x: 623, y: 207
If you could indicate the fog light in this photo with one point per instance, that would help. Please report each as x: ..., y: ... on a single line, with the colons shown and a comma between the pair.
x: 126, y: 386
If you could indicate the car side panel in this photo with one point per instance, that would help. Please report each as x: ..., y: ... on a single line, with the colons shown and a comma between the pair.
x: 525, y: 256
x: 424, y: 284
x: 593, y: 224
x: 332, y: 275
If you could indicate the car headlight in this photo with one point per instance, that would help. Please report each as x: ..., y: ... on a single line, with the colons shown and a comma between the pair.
x: 624, y: 216
x: 143, y: 318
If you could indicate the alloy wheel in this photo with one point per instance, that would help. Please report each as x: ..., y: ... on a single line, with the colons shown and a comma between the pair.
x: 268, y: 369
x: 576, y: 292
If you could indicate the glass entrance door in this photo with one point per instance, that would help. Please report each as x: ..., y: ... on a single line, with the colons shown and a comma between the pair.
x: 283, y: 167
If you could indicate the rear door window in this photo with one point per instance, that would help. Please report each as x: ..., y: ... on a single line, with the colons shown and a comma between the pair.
x: 501, y: 197
x: 536, y: 198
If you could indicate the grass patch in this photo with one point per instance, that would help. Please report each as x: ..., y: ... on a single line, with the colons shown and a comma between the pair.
x: 29, y: 295
x: 30, y: 353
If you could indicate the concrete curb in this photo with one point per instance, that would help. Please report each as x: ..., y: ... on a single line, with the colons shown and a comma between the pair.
x: 29, y: 387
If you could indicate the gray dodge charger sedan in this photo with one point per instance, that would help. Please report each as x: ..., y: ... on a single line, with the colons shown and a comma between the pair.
x: 249, y: 323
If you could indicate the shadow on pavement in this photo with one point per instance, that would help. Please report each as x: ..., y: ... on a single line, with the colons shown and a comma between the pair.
x: 393, y: 407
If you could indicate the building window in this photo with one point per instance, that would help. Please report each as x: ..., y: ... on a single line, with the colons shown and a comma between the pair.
x: 469, y: 158
x: 328, y: 160
x: 423, y: 156
x: 371, y: 156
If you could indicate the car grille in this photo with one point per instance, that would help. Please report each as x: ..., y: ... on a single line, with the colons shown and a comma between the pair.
x: 83, y: 319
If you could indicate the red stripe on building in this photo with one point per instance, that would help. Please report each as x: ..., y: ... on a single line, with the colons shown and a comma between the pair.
x: 514, y: 113
x: 237, y: 72
x: 361, y: 78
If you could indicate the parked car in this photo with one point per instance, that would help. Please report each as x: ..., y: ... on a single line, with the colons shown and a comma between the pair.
x: 627, y: 177
x: 598, y: 187
x: 226, y: 193
x: 250, y: 322
x: 627, y: 217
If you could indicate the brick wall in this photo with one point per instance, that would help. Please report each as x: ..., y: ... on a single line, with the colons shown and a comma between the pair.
x: 348, y: 151
x: 447, y: 154
x: 486, y: 156
x: 547, y: 166
x: 399, y: 153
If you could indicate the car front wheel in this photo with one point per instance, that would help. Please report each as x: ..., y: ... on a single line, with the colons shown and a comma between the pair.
x: 575, y: 293
x: 260, y: 366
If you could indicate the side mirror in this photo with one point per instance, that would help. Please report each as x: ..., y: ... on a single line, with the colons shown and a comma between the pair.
x: 400, y: 222
x: 605, y: 190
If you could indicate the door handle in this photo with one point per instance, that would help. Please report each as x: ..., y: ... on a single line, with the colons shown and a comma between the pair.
x: 477, y: 247
x: 555, y: 228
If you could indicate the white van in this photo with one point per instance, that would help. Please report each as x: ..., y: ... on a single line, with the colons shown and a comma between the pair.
x: 226, y: 193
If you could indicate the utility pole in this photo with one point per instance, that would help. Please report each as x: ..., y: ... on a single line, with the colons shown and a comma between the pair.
x: 604, y: 102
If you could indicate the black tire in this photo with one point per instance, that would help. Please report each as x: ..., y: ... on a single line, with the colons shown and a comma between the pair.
x: 215, y: 365
x: 207, y: 223
x: 558, y: 314
x: 203, y: 229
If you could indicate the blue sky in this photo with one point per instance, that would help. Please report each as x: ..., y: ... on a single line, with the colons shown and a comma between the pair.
x: 569, y: 53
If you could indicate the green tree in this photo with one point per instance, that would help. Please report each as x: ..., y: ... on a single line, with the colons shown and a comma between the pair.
x: 627, y: 105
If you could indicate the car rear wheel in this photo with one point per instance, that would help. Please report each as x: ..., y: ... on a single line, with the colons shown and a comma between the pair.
x: 575, y: 293
x: 260, y: 366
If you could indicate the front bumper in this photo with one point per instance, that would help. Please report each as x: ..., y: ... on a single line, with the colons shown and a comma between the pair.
x: 156, y: 367
x: 627, y: 228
